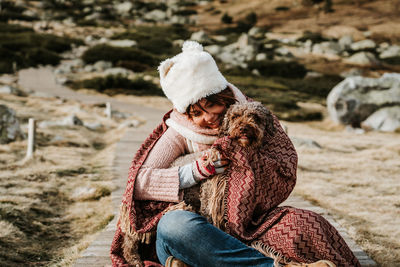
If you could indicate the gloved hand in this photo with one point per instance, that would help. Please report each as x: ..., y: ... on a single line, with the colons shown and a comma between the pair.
x: 209, y: 164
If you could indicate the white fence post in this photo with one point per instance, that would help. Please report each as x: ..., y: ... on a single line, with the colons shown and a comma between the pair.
x: 31, y: 138
x: 108, y: 110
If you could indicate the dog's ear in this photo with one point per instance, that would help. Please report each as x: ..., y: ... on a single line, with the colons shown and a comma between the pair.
x: 223, y: 129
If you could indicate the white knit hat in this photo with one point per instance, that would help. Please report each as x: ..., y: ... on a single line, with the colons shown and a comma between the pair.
x: 190, y: 76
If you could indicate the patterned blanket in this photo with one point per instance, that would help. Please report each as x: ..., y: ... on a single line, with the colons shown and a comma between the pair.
x: 258, y: 181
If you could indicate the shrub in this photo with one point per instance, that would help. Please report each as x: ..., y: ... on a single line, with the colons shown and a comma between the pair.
x: 29, y: 49
x: 243, y: 25
x: 392, y: 61
x: 10, y: 11
x: 251, y: 18
x: 115, y: 84
x: 154, y: 5
x: 40, y: 55
x: 315, y: 37
x: 282, y: 8
x: 269, y: 68
x: 186, y: 3
x: 157, y: 45
x: 318, y: 87
x: 13, y: 28
x: 226, y: 19
x: 185, y: 12
x: 116, y: 54
x: 156, y: 39
x: 133, y: 65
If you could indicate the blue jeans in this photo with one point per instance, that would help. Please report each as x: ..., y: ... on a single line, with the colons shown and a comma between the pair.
x: 190, y: 238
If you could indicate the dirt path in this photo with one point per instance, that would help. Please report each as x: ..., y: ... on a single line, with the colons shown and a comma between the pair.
x: 97, y: 254
x: 42, y: 80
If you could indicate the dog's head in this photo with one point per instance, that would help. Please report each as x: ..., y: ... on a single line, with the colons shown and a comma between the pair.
x: 248, y: 123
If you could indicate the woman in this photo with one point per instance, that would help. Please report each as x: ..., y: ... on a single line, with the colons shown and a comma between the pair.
x: 152, y: 224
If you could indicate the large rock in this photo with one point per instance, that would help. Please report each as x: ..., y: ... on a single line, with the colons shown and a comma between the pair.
x: 122, y: 43
x: 102, y: 65
x: 353, y: 100
x: 118, y: 71
x: 363, y: 45
x: 384, y: 119
x: 327, y: 49
x: 201, y: 37
x: 156, y: 15
x: 362, y: 59
x: 390, y: 52
x: 9, y: 126
x: 237, y: 54
x: 345, y: 42
x: 124, y: 8
x: 7, y: 89
x: 213, y: 49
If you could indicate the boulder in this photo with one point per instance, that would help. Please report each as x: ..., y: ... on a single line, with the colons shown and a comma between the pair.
x: 338, y: 31
x: 283, y: 51
x: 102, y: 65
x: 363, y: 45
x: 386, y: 119
x: 94, y: 126
x: 213, y: 49
x: 220, y: 38
x: 67, y: 121
x: 345, y: 42
x: 124, y: 8
x: 327, y: 49
x: 175, y: 19
x: 7, y: 89
x: 261, y: 56
x: 118, y: 71
x: 256, y: 32
x: 201, y: 37
x: 362, y: 59
x: 93, y: 16
x: 351, y: 72
x: 353, y: 100
x: 72, y: 120
x: 244, y: 41
x: 122, y: 43
x: 390, y: 52
x: 156, y: 15
x: 239, y: 53
x: 10, y: 129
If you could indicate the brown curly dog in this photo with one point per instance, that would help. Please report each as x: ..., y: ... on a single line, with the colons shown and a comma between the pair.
x: 245, y: 122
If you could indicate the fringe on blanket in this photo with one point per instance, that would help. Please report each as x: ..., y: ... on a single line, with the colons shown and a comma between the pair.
x: 132, y: 239
x: 279, y: 259
x: 217, y: 201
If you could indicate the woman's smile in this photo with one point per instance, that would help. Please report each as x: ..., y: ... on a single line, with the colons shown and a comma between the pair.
x: 207, y: 115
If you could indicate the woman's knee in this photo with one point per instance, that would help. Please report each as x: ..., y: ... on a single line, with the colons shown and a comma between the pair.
x: 178, y: 225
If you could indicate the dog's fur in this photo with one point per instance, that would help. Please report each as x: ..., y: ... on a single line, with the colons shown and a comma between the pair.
x: 247, y: 124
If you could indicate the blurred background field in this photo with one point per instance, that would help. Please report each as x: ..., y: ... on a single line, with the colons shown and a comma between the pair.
x: 288, y: 54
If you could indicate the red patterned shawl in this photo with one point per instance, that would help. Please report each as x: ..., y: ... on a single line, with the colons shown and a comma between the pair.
x: 258, y: 182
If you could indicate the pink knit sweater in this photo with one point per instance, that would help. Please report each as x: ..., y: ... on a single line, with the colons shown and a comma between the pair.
x: 155, y: 179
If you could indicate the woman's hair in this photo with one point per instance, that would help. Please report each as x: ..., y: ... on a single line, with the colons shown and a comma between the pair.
x: 225, y: 97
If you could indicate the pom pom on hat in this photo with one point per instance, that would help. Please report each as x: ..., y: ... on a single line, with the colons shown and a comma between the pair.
x: 190, y: 76
x: 191, y: 46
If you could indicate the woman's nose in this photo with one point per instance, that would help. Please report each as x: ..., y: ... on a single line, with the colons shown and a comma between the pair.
x: 208, y: 117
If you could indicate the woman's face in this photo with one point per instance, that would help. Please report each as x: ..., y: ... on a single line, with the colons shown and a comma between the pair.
x: 207, y: 114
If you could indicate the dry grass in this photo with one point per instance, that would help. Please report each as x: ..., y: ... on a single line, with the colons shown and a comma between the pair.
x: 357, y: 178
x: 52, y: 205
x: 380, y: 17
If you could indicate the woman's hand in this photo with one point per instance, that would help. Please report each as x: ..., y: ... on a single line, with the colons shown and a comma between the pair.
x: 209, y: 164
